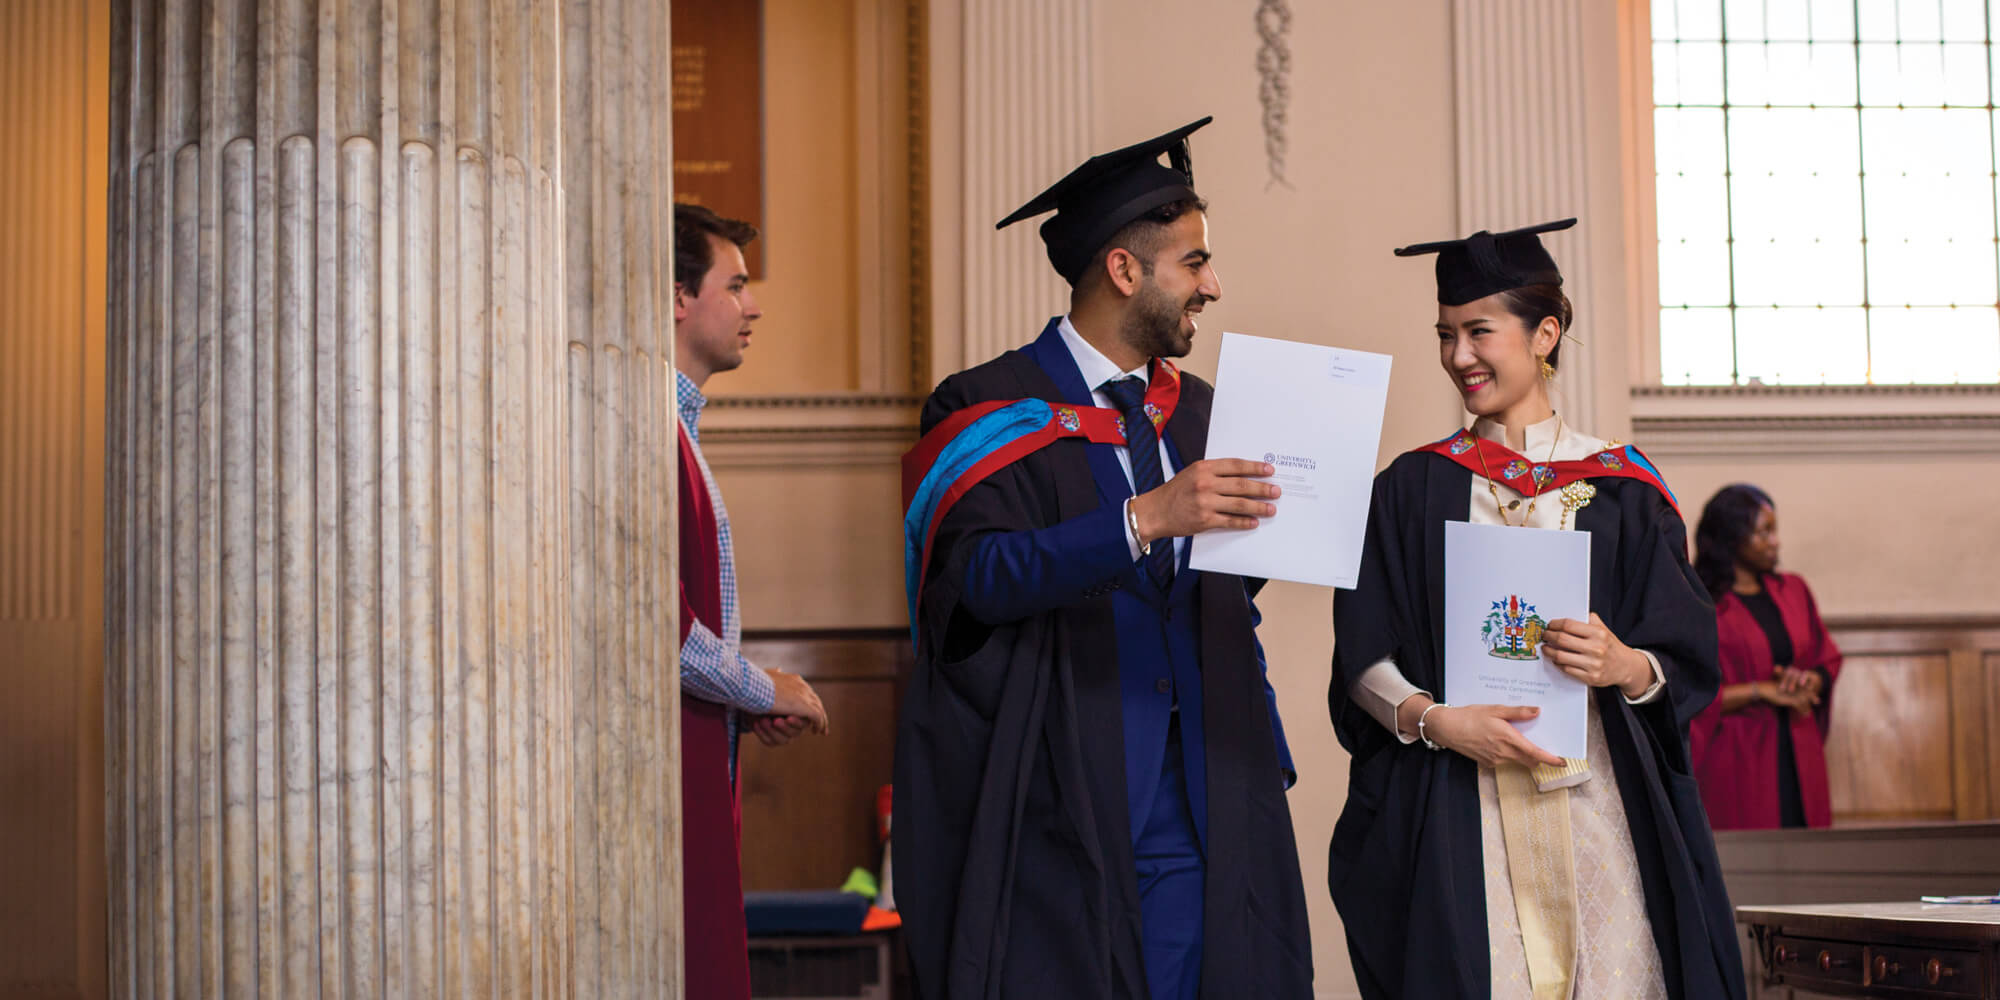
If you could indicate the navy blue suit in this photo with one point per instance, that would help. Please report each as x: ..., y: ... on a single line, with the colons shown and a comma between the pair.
x: 1017, y: 574
x: 1060, y: 830
x: 1014, y: 575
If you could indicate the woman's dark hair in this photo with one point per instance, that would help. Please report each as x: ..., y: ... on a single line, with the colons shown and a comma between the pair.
x: 1729, y: 519
x: 1534, y: 303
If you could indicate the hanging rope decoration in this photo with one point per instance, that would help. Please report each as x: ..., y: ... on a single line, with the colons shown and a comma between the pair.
x: 1274, y: 92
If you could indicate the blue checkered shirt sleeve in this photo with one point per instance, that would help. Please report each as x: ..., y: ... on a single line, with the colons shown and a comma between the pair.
x: 714, y: 670
x: 712, y: 665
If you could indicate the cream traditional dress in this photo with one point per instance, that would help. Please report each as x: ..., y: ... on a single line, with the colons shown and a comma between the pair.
x: 1559, y: 851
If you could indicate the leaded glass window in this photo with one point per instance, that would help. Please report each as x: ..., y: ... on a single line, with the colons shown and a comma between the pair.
x: 1826, y: 173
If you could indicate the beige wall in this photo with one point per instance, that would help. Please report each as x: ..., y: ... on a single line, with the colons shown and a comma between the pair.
x: 1370, y: 161
x: 836, y: 225
x: 808, y: 293
x: 818, y: 544
x: 1372, y: 166
x: 1931, y: 557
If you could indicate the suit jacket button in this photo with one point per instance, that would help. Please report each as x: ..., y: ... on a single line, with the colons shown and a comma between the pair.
x: 1164, y: 686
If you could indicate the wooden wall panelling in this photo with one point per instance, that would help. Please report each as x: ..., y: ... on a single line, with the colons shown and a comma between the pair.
x: 1888, y: 759
x: 1991, y: 762
x: 809, y: 808
x: 1914, y: 713
x: 1970, y: 725
x: 53, y: 127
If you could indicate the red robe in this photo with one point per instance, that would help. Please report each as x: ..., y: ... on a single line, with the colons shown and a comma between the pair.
x: 1736, y: 755
x: 717, y: 945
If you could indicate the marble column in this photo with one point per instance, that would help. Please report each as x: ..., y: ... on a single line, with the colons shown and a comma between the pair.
x: 390, y: 707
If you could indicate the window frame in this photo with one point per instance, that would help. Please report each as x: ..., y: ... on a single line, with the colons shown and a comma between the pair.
x: 1759, y: 420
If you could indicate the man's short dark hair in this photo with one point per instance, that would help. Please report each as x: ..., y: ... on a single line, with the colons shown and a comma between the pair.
x: 693, y: 255
x: 1143, y: 238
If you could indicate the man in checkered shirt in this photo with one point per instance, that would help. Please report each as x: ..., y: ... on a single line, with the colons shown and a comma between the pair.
x: 720, y: 688
x: 713, y: 310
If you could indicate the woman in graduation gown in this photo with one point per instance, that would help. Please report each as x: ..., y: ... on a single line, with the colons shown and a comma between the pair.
x: 1759, y: 749
x: 1469, y: 862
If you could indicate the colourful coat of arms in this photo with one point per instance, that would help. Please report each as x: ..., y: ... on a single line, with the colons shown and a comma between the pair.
x: 1462, y: 445
x: 1513, y: 631
x: 1068, y: 419
x: 1514, y: 469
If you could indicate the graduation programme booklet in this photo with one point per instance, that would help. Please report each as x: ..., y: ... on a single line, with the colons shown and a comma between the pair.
x: 1315, y: 414
x: 1502, y: 586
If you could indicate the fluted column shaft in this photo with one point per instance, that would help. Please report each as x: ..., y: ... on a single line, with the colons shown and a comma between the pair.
x: 1522, y: 93
x: 388, y: 710
x: 1027, y: 118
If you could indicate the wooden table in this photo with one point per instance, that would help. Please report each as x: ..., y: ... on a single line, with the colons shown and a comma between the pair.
x: 1879, y: 949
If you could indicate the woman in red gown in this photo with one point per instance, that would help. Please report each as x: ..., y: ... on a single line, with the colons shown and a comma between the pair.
x: 1759, y: 748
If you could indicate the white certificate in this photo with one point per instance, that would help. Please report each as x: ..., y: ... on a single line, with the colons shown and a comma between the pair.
x: 1502, y: 586
x: 1314, y: 413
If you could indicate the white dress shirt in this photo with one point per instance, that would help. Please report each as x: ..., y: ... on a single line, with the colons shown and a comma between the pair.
x: 1097, y: 370
x: 1382, y: 686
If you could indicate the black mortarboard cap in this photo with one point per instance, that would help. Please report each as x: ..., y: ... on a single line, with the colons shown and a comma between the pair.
x: 1108, y: 191
x: 1484, y: 263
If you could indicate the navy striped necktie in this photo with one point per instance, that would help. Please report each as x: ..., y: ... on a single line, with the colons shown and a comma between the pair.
x: 1142, y: 442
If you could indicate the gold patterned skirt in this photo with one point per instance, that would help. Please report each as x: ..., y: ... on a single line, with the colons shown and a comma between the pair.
x: 1615, y: 954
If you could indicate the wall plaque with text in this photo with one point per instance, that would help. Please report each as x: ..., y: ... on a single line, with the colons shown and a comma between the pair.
x: 719, y: 111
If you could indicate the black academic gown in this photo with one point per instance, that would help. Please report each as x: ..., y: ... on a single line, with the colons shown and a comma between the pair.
x: 1014, y: 867
x: 1406, y: 869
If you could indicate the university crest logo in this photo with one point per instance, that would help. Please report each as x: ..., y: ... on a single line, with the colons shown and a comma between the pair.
x: 1462, y: 445
x: 1514, y: 469
x: 1611, y: 459
x: 1068, y: 419
x: 1153, y: 414
x: 1512, y: 631
x: 1544, y: 475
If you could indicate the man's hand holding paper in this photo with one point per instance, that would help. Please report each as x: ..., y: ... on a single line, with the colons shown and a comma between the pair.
x: 1313, y: 414
x: 1214, y: 494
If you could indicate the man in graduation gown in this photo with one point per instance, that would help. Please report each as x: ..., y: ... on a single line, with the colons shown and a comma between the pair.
x: 1090, y: 772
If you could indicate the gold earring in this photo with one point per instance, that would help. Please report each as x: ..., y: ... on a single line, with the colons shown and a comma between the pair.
x: 1548, y: 370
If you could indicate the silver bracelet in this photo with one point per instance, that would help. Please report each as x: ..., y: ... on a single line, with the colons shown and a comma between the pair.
x: 1132, y: 522
x: 1425, y: 714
